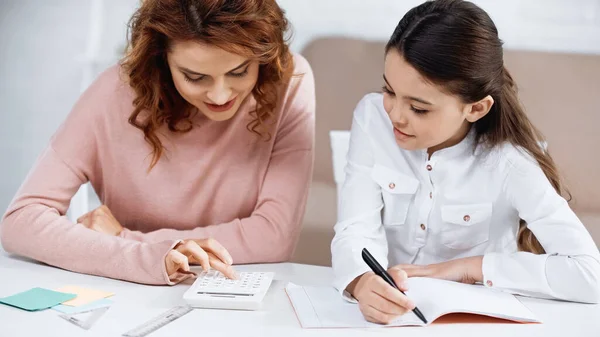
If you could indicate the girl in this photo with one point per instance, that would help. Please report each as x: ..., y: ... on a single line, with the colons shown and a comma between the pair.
x: 203, y: 134
x: 446, y: 176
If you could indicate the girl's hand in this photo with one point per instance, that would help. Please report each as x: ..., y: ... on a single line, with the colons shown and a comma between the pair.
x: 466, y: 270
x: 378, y: 301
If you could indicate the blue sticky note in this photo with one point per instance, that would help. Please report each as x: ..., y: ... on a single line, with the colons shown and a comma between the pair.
x: 69, y: 310
x: 37, y: 299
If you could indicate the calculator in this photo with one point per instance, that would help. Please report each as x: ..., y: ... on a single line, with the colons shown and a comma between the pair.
x: 212, y: 290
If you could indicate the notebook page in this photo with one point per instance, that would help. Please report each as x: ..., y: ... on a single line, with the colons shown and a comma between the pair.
x: 436, y: 297
x: 323, y: 307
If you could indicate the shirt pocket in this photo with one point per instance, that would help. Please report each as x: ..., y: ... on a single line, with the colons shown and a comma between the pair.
x: 466, y: 226
x: 397, y: 190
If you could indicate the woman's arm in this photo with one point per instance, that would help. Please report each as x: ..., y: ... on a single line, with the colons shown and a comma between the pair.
x: 35, y: 224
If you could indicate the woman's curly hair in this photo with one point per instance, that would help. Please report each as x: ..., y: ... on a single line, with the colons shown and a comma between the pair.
x: 252, y: 28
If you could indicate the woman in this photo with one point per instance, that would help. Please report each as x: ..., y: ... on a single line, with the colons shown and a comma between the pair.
x: 202, y: 136
x: 447, y: 178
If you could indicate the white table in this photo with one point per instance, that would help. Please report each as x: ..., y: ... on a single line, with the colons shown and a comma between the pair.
x: 135, y: 304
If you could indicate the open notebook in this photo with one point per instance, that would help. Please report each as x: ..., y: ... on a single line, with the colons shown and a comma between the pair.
x: 323, y: 307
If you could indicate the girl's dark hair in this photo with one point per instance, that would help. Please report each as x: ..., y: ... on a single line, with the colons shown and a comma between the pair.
x: 455, y: 44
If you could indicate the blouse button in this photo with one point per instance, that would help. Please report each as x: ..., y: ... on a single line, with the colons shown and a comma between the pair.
x: 489, y: 283
x: 467, y: 218
x: 423, y: 227
x: 392, y: 186
x: 429, y: 167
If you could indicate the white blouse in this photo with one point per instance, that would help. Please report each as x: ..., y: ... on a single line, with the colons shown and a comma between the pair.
x: 463, y: 201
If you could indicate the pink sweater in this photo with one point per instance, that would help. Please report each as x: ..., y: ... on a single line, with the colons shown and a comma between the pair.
x: 218, y: 180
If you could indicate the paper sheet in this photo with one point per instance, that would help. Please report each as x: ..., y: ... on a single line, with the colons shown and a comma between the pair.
x: 36, y: 299
x: 324, y: 307
x: 84, y: 295
x: 70, y: 310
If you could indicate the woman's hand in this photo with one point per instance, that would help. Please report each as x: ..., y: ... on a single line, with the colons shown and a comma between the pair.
x: 206, y: 252
x: 465, y: 270
x: 101, y: 220
x: 378, y: 301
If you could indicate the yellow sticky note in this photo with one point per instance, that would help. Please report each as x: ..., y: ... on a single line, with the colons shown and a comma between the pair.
x: 84, y: 295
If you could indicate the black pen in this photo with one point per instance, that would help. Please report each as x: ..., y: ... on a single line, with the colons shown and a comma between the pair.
x: 378, y: 270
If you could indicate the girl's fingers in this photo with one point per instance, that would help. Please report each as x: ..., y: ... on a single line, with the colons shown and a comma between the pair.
x: 392, y: 294
x: 376, y: 316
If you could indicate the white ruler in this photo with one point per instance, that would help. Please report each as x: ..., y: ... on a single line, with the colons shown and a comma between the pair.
x: 159, y: 321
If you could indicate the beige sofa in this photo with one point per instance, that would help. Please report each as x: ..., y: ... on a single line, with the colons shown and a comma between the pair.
x: 561, y: 93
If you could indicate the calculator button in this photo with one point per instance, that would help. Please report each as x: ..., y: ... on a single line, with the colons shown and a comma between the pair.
x: 248, y: 283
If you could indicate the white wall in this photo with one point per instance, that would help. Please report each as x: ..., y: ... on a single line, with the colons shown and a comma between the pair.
x: 553, y: 25
x: 41, y: 40
x: 38, y: 82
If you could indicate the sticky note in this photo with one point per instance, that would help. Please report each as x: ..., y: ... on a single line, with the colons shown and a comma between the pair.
x: 84, y: 295
x: 37, y: 299
x: 65, y: 309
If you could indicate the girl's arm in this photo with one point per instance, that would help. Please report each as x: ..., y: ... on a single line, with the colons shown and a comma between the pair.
x: 570, y: 269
